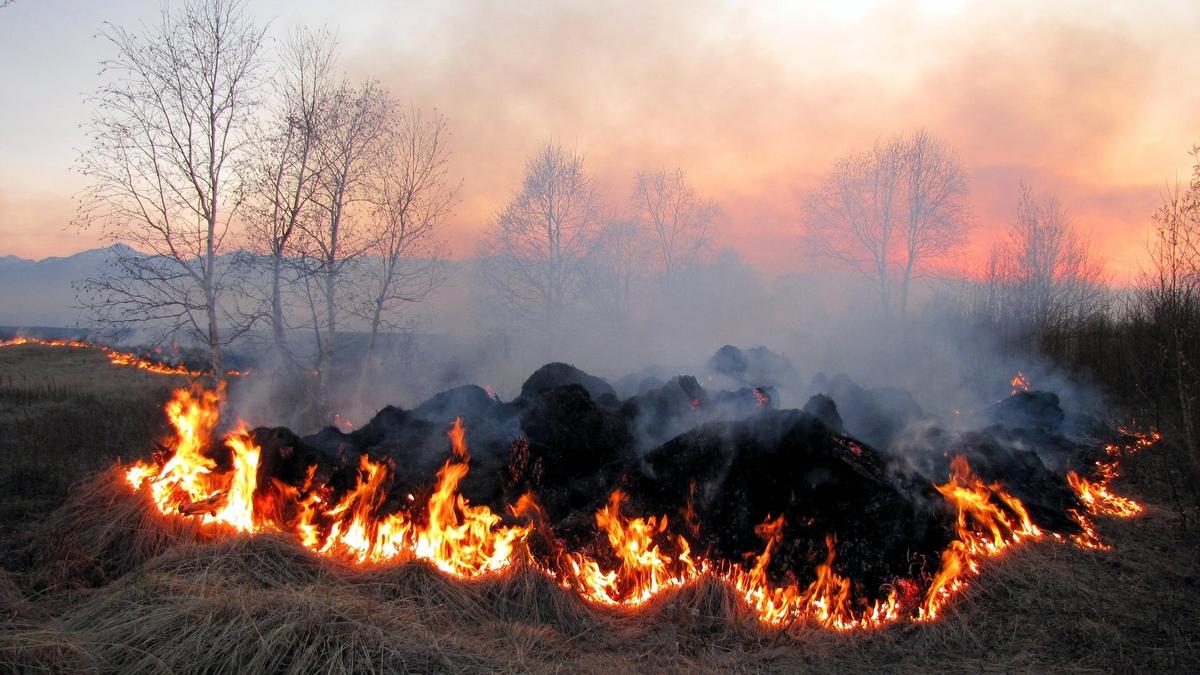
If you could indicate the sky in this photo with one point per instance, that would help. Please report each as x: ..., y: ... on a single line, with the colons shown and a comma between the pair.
x: 1093, y: 102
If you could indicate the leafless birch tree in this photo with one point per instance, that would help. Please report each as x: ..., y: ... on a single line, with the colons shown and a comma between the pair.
x: 935, y: 216
x: 168, y: 130
x: 677, y: 219
x: 350, y: 153
x: 287, y: 167
x: 411, y: 198
x: 534, y: 253
x: 889, y: 212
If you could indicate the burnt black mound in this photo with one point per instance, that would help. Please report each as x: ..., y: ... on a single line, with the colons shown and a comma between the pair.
x: 716, y: 463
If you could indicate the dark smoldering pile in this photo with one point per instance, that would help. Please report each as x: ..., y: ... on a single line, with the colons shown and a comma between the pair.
x: 854, y: 463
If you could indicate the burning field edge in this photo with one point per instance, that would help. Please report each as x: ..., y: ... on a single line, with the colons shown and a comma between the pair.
x: 467, y: 541
x: 150, y: 565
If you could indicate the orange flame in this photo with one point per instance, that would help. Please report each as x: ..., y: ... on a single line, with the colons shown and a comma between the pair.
x: 1019, y: 383
x: 459, y: 538
x: 644, y: 557
x: 989, y: 521
x: 1096, y: 496
x: 118, y: 358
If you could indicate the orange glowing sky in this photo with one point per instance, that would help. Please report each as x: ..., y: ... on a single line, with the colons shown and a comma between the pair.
x: 1094, y: 102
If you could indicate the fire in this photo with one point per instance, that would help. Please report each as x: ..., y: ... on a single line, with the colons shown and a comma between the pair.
x: 117, y: 357
x: 1096, y: 496
x: 636, y: 559
x: 989, y: 521
x: 1019, y: 383
x: 458, y: 538
x: 761, y: 399
x: 644, y: 570
x: 19, y: 340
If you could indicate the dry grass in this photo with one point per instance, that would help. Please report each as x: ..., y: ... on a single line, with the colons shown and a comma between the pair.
x: 265, y: 604
x: 104, y: 584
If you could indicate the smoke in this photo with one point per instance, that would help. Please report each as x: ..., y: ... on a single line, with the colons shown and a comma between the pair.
x: 823, y: 333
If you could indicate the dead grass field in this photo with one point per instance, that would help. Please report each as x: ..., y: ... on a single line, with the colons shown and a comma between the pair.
x: 93, y: 582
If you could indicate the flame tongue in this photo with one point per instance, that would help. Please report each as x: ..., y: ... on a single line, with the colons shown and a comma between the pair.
x: 458, y: 538
x: 116, y: 357
x: 989, y: 521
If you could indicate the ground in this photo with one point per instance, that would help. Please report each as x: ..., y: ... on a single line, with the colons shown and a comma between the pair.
x: 265, y: 605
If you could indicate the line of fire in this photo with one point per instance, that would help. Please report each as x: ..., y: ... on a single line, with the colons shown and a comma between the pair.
x: 802, y: 521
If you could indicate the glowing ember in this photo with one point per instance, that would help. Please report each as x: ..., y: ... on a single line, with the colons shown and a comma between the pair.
x: 761, y: 398
x: 1019, y: 383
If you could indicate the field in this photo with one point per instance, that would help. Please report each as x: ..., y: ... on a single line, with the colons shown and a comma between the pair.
x: 91, y: 582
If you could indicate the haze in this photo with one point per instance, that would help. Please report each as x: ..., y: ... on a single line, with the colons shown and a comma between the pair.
x: 1089, y: 101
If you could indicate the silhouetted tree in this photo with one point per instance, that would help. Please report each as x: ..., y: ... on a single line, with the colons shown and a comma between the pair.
x: 287, y: 167
x: 411, y: 197
x: 890, y: 211
x: 678, y: 221
x: 1169, y: 302
x: 533, y: 254
x: 1043, y: 275
x: 170, y: 126
x: 351, y: 153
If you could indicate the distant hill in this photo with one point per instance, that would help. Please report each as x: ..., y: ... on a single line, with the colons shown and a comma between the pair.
x: 39, y: 292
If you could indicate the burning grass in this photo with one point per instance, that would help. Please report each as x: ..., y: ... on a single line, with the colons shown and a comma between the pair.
x: 155, y: 364
x: 109, y: 583
x: 264, y: 603
x: 466, y: 541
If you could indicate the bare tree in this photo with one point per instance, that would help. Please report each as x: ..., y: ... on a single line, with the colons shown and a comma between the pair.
x: 534, y: 253
x: 287, y: 167
x: 169, y: 127
x: 935, y: 211
x: 679, y: 222
x: 890, y: 211
x: 1169, y: 296
x: 411, y: 198
x: 350, y: 153
x: 618, y: 268
x: 1044, y: 274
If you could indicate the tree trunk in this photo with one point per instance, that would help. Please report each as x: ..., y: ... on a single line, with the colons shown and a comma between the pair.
x: 277, y: 325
